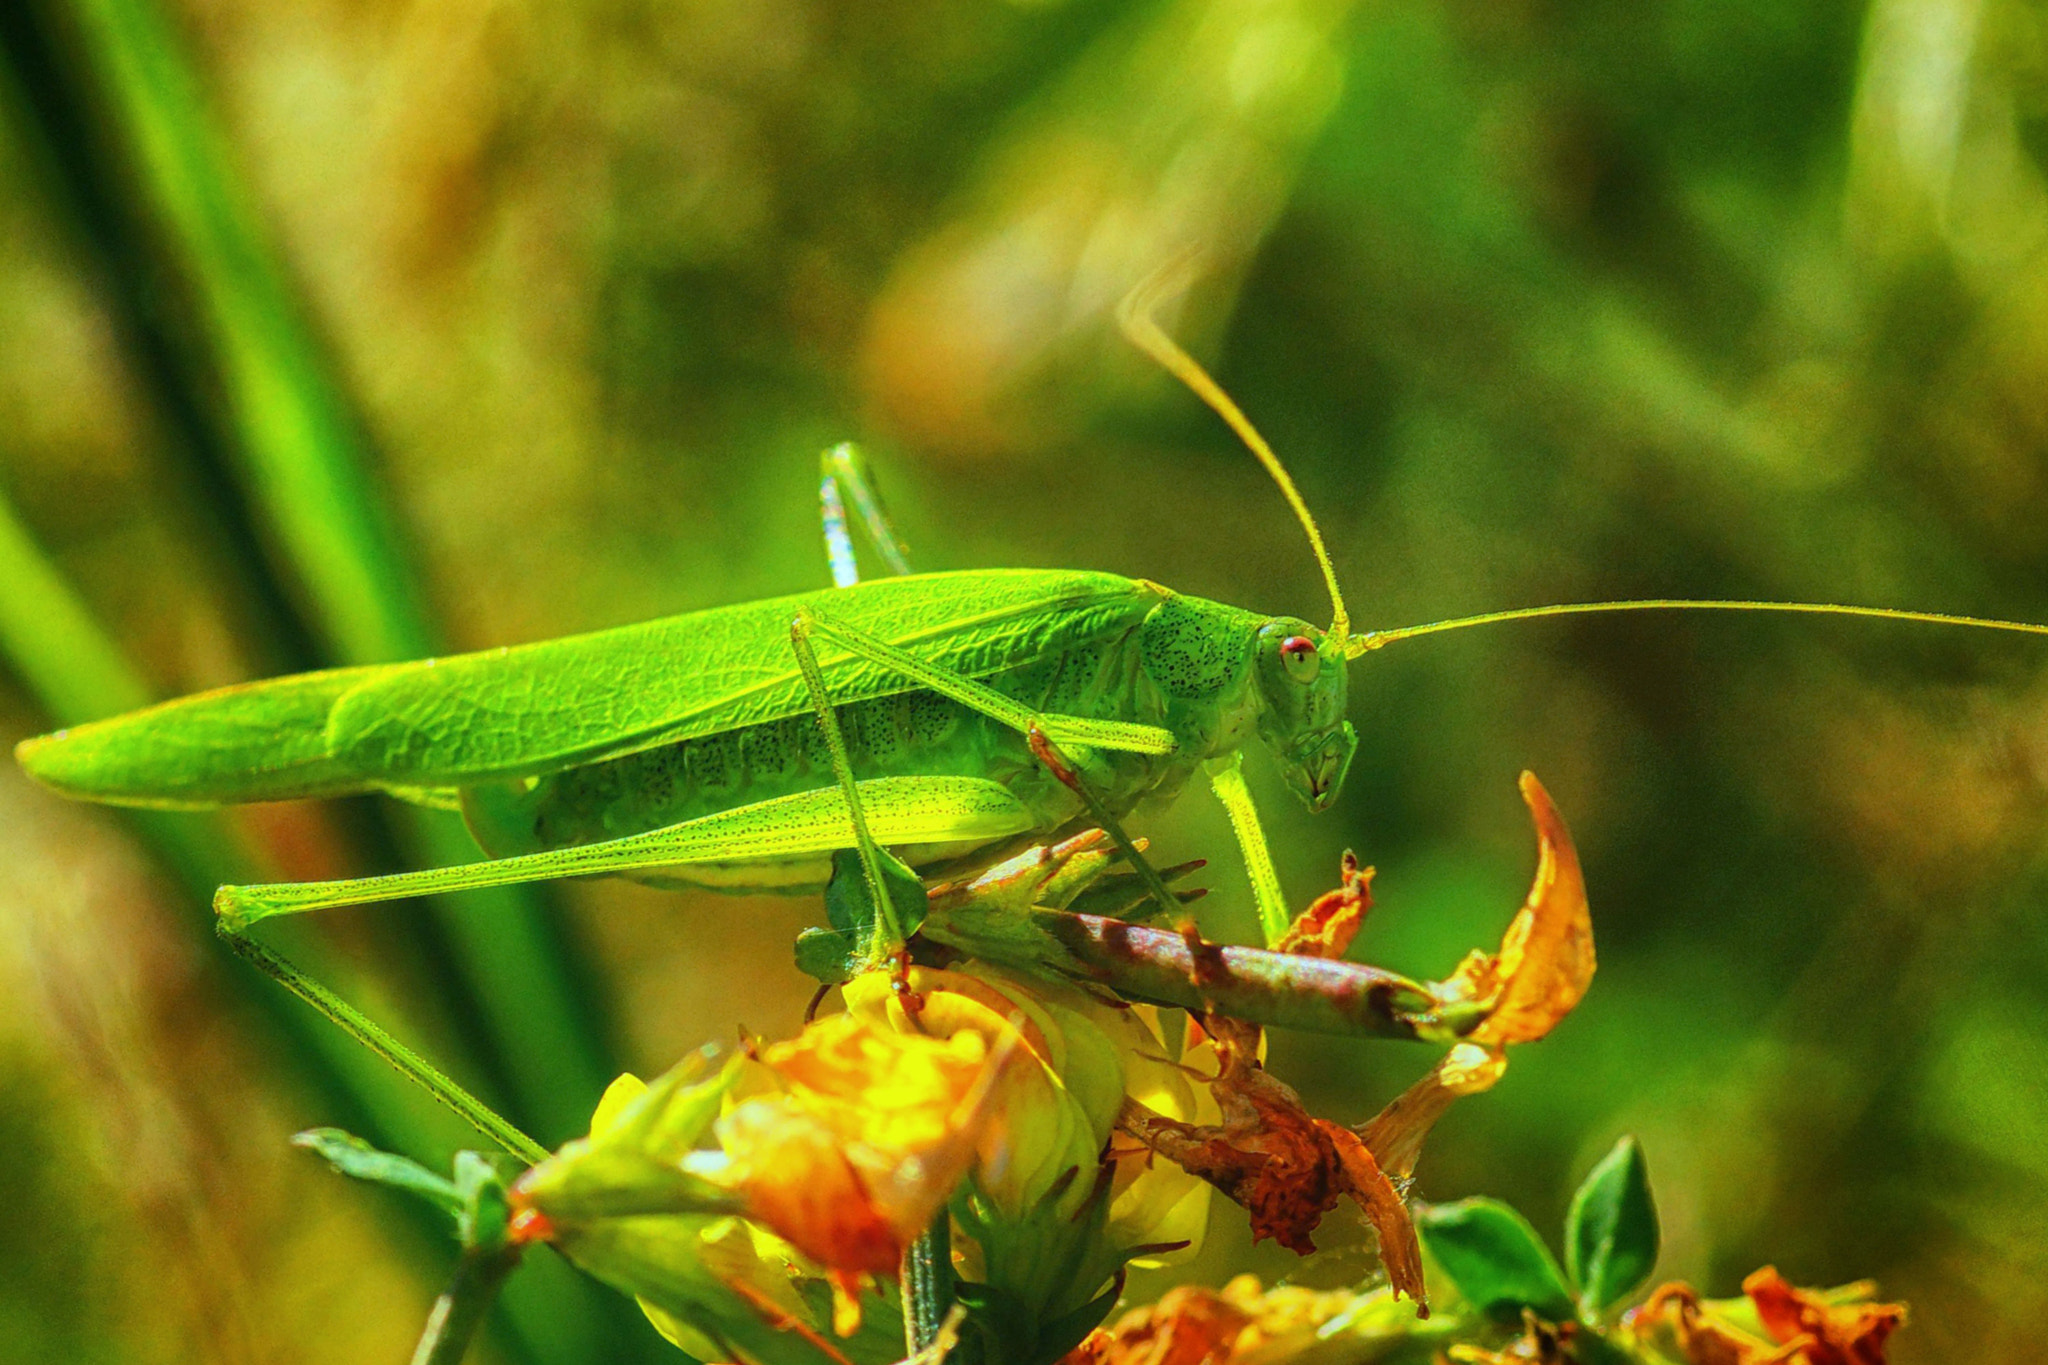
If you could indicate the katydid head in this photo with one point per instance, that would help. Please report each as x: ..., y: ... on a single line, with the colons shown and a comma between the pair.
x: 1299, y: 677
x: 1300, y: 670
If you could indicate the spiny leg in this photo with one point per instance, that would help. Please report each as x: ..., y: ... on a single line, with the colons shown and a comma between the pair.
x: 899, y: 810
x: 843, y: 473
x: 978, y: 696
x: 1060, y: 767
x: 402, y: 1059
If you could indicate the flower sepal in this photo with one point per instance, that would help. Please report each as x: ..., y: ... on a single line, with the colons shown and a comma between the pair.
x: 637, y: 1160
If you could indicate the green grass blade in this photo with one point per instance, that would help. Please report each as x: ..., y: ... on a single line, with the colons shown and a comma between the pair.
x: 50, y: 639
x: 299, y: 454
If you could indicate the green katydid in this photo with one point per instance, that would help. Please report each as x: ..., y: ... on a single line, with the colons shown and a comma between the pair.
x: 957, y: 717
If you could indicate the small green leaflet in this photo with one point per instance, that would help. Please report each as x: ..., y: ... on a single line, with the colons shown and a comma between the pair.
x: 358, y: 1160
x: 1495, y: 1259
x: 475, y: 1198
x: 1610, y: 1235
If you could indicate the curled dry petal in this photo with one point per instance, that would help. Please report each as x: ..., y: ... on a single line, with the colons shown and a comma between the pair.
x: 1281, y: 1165
x: 1840, y: 1333
x: 1540, y: 974
x: 1704, y: 1337
x: 1240, y: 1324
x: 1365, y: 1181
x: 1805, y: 1327
x: 1190, y: 1325
x: 1284, y: 1165
x: 1546, y: 959
x: 1327, y: 927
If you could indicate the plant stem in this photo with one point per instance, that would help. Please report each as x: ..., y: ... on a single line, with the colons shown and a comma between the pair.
x: 461, y: 1308
x: 928, y: 1283
x: 1158, y: 966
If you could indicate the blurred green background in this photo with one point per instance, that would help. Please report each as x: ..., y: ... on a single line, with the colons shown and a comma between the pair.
x: 338, y: 330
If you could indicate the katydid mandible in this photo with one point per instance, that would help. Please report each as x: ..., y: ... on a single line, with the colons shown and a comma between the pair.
x: 951, y: 717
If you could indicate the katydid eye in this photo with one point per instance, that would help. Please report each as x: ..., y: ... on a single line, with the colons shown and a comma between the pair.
x: 1298, y: 653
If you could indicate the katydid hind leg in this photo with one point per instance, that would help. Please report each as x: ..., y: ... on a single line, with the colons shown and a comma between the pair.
x: 401, y: 1058
x: 898, y: 810
x: 1125, y: 736
x: 844, y: 477
x: 1070, y: 776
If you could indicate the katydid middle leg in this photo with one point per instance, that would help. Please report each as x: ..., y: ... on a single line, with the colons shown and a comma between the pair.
x: 1045, y: 731
x: 842, y: 771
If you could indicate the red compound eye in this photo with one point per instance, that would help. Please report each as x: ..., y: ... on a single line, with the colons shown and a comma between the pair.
x: 1298, y: 653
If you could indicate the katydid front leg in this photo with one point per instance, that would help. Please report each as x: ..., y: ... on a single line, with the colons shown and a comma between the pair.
x: 1226, y: 779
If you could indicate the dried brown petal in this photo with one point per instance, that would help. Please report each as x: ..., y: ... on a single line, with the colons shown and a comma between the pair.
x: 1704, y: 1338
x: 1400, y: 1251
x: 1806, y: 1328
x: 1188, y: 1326
x: 1287, y: 1167
x: 1327, y: 927
x: 1840, y: 1334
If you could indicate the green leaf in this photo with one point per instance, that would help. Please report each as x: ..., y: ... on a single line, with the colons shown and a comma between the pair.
x: 1062, y: 1335
x: 850, y: 906
x: 357, y: 1159
x: 1495, y: 1259
x: 636, y: 1166
x: 1610, y: 1235
x: 833, y: 956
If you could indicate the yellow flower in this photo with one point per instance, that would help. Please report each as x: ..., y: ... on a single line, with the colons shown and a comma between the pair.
x: 693, y: 1276
x: 1054, y: 1109
x: 837, y: 1147
x: 863, y: 1143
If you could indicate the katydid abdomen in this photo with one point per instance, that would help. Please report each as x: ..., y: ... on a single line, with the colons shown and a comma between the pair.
x: 910, y: 734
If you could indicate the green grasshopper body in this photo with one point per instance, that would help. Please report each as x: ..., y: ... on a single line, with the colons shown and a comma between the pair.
x: 962, y: 715
x: 586, y: 740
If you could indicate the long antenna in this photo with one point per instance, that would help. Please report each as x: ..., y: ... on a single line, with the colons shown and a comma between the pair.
x: 1377, y: 639
x: 1135, y: 316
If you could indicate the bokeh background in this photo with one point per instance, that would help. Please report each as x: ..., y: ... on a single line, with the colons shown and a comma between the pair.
x: 343, y: 330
